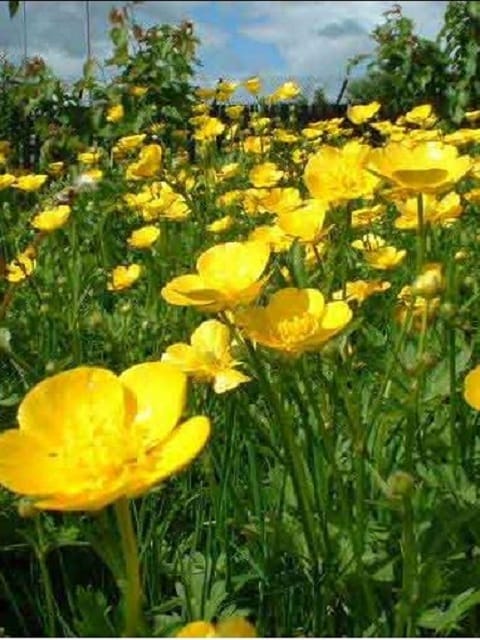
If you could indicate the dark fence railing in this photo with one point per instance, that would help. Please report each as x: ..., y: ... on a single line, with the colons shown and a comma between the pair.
x: 27, y: 145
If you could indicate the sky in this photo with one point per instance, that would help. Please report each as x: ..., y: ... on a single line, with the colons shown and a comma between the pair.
x: 307, y: 41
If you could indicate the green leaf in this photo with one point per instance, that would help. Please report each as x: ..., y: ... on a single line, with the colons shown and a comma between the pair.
x: 447, y: 621
x: 92, y: 618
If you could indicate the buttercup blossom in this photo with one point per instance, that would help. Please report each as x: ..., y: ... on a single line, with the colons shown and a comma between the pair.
x: 360, y: 113
x: 123, y: 277
x: 471, y: 390
x: 144, y: 237
x: 360, y: 290
x: 338, y: 175
x: 88, y: 437
x: 30, y: 182
x: 429, y: 167
x: 51, y: 219
x: 228, y: 628
x: 115, y: 113
x: 22, y: 266
x: 266, y: 174
x: 208, y: 357
x: 294, y: 321
x: 228, y: 275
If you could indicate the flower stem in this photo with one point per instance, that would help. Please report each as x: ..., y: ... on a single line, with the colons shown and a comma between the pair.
x: 41, y: 553
x: 421, y: 233
x: 405, y: 622
x: 132, y: 585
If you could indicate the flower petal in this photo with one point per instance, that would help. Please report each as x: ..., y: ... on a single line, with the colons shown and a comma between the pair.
x: 472, y: 388
x: 160, y: 393
x: 171, y: 456
x: 29, y: 466
x: 77, y: 403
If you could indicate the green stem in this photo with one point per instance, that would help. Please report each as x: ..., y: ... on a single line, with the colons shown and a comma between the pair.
x: 41, y: 553
x: 452, y: 366
x: 132, y: 585
x: 421, y: 233
x: 405, y: 622
x: 294, y: 459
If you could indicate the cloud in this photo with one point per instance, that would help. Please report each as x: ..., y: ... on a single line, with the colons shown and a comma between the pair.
x: 310, y: 41
x: 316, y: 39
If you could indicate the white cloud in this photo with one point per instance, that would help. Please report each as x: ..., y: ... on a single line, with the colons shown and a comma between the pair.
x: 318, y: 38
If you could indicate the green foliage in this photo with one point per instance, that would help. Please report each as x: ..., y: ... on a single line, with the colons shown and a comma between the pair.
x: 461, y: 38
x: 405, y: 70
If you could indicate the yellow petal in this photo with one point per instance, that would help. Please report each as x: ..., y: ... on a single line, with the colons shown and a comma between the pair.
x: 172, y: 455
x: 197, y: 629
x: 85, y: 400
x: 189, y: 289
x: 29, y: 466
x: 228, y: 379
x: 160, y: 393
x: 472, y: 388
x: 183, y: 356
x: 235, y: 628
x: 337, y: 315
x: 211, y: 337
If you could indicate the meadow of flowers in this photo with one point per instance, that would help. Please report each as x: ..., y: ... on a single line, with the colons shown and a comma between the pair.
x: 240, y: 394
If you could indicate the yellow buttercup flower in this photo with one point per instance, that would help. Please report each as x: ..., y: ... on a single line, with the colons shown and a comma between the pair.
x: 144, y: 237
x: 30, y: 182
x: 377, y: 254
x: 472, y: 116
x: 210, y: 128
x: 429, y: 167
x: 6, y: 180
x: 51, y: 219
x: 235, y: 111
x: 127, y: 143
x: 280, y: 200
x: 360, y: 290
x: 225, y: 89
x: 253, y: 85
x: 360, y: 113
x: 274, y: 236
x: 462, y: 136
x: 266, y: 174
x: 215, y: 287
x: 304, y: 223
x: 123, y: 277
x: 148, y: 164
x: 138, y: 91
x: 473, y: 196
x: 286, y: 91
x: 366, y: 215
x: 294, y: 321
x: 22, y: 266
x: 90, y: 177
x: 88, y: 437
x: 229, y: 170
x: 471, y: 390
x: 256, y: 144
x: 422, y: 115
x: 339, y: 175
x: 208, y: 357
x: 89, y: 157
x: 252, y: 200
x: 435, y: 211
x: 220, y: 225
x: 287, y: 137
x: 115, y: 113
x: 229, y: 628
